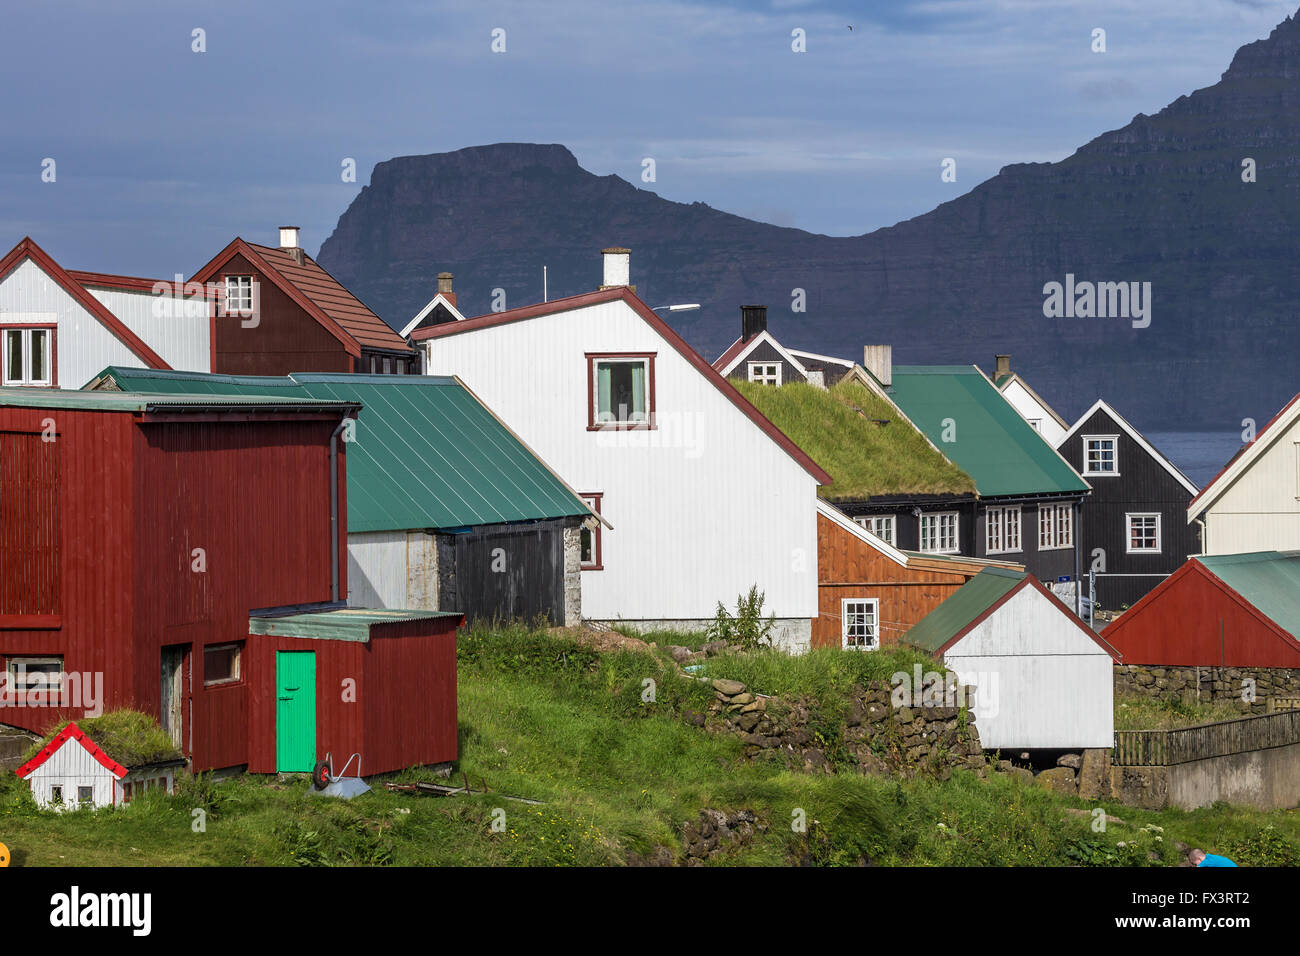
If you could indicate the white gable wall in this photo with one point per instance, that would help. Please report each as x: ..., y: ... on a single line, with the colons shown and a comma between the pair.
x: 1041, y: 682
x: 70, y: 767
x: 702, y: 508
x: 1031, y: 410
x: 182, y: 335
x: 1260, y: 511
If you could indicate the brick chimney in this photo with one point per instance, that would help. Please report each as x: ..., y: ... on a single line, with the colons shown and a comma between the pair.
x: 1001, y: 366
x: 618, y: 268
x: 753, y: 320
x: 879, y: 361
x: 289, y: 243
x: 444, y: 287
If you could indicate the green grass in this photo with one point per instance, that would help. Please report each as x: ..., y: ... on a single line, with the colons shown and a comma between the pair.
x: 542, y: 717
x: 837, y: 428
x: 127, y: 736
x: 1137, y: 712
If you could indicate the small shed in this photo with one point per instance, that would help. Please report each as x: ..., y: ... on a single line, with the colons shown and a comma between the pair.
x: 1044, y: 680
x: 72, y: 772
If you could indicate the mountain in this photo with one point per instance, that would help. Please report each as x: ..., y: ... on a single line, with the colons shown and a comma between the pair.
x: 1160, y: 201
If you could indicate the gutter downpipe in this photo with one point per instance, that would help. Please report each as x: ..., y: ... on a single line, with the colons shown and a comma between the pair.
x: 334, y: 508
x: 1078, y: 544
x: 1205, y: 534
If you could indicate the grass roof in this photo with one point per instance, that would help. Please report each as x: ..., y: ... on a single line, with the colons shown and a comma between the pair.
x: 131, y: 738
x: 840, y: 429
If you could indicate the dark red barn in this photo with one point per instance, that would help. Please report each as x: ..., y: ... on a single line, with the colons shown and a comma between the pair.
x: 139, y: 535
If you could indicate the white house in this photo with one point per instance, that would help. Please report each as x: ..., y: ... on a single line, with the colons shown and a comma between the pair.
x: 58, y: 328
x: 1043, y: 679
x: 1028, y: 403
x: 71, y: 773
x: 704, y: 497
x: 1253, y: 504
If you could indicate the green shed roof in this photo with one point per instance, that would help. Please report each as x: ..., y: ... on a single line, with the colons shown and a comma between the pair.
x: 990, y: 441
x: 1270, y: 580
x: 428, y: 453
x: 344, y: 624
x: 965, y: 604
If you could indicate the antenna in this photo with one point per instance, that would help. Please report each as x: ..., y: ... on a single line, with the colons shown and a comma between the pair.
x: 544, y: 298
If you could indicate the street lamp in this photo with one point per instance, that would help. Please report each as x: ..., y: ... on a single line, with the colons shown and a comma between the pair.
x: 684, y: 307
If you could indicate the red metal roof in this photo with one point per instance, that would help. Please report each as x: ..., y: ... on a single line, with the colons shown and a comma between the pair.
x: 317, y: 292
x: 72, y: 732
x: 107, y: 280
x: 663, y: 328
x: 28, y: 249
x: 734, y: 349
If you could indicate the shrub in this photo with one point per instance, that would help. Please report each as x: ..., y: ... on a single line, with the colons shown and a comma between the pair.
x: 748, y: 629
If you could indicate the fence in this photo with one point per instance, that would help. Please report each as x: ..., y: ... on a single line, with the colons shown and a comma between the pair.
x: 1162, y: 748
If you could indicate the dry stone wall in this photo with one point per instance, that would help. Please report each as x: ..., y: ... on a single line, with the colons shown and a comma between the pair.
x: 1209, y: 684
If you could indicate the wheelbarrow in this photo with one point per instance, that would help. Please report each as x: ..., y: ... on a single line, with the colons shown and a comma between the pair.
x: 325, y: 784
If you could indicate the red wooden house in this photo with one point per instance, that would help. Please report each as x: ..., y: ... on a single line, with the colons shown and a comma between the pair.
x: 139, y: 535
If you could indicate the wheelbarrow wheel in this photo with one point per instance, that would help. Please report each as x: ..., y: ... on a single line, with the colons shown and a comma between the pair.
x: 320, y: 777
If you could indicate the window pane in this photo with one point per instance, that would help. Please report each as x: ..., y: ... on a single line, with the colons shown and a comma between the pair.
x: 604, y: 392
x: 40, y: 355
x: 220, y: 664
x: 13, y: 355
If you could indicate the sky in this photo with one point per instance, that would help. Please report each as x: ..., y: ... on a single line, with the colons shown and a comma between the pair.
x: 162, y: 154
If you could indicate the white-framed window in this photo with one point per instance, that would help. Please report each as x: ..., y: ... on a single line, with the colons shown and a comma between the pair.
x: 860, y: 624
x: 1002, y: 529
x: 590, y: 547
x: 1101, y: 455
x: 1143, y: 533
x: 882, y: 526
x: 939, y: 532
x: 27, y: 356
x: 221, y: 664
x: 239, y: 294
x: 765, y: 373
x: 85, y: 796
x: 1055, y: 527
x: 27, y: 675
x: 622, y: 390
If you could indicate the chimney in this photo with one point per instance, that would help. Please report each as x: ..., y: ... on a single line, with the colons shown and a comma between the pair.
x: 879, y: 361
x: 618, y: 268
x: 753, y: 320
x: 289, y: 242
x: 1001, y: 365
x: 444, y: 287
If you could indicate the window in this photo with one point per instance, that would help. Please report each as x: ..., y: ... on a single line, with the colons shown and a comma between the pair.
x: 1143, y: 532
x: 221, y: 664
x: 622, y: 390
x: 882, y: 526
x: 939, y: 532
x: 1055, y: 527
x: 239, y: 294
x: 126, y: 793
x: 592, y: 557
x: 1001, y: 530
x: 27, y: 356
x: 765, y: 373
x: 85, y: 796
x: 1101, y: 455
x: 860, y: 623
x: 29, y: 675
x: 56, y: 795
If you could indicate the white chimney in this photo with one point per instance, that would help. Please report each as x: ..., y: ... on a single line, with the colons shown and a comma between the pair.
x: 288, y: 237
x: 618, y: 268
x: 879, y: 361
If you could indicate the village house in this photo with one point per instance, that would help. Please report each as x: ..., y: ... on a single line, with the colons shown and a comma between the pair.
x: 1043, y: 680
x: 657, y: 442
x: 1134, y: 530
x: 1031, y: 406
x: 185, y: 555
x: 756, y: 356
x: 72, y: 772
x: 447, y: 508
x: 1253, y: 503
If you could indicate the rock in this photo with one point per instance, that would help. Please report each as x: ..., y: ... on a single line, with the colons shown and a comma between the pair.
x: 693, y: 717
x: 714, y: 648
x: 1058, y: 780
x: 1094, y: 774
x: 1069, y: 760
x: 729, y: 688
x: 747, y: 722
x: 904, y: 715
x: 680, y: 654
x: 742, y: 699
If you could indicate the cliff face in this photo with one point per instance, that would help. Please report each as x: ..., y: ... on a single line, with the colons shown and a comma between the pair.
x: 1161, y: 201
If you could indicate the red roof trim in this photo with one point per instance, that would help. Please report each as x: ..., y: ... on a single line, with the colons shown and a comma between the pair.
x: 239, y: 247
x: 73, y: 732
x: 126, y: 283
x: 734, y: 349
x: 659, y: 325
x: 1030, y: 581
x: 1248, y: 446
x: 28, y: 249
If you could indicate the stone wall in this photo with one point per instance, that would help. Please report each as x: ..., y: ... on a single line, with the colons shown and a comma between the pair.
x: 14, y: 744
x: 1208, y: 683
x: 573, y: 575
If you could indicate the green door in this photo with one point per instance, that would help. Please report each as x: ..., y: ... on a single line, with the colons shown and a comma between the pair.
x: 295, y: 711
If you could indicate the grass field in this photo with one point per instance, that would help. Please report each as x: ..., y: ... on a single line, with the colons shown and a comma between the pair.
x: 544, y: 718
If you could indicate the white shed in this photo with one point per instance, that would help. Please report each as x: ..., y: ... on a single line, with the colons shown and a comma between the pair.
x: 1043, y: 679
x: 71, y: 772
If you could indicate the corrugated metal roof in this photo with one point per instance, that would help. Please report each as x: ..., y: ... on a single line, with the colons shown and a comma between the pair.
x: 428, y: 453
x: 968, y: 602
x: 345, y: 624
x: 991, y: 442
x: 1270, y: 580
x: 127, y: 401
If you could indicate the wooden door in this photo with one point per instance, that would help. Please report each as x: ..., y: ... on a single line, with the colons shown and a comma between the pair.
x: 295, y: 711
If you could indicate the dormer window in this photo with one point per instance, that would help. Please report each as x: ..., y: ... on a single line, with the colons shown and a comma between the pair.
x: 622, y: 390
x: 27, y: 356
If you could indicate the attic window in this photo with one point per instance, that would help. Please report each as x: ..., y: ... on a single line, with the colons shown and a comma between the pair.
x: 1101, y: 455
x: 27, y: 356
x: 621, y: 390
x: 239, y: 294
x: 765, y: 373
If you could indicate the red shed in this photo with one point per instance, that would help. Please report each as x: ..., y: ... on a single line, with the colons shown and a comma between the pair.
x: 138, y: 534
x: 1227, y: 610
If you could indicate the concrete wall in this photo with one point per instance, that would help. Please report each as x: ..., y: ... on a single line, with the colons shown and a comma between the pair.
x: 1266, y: 779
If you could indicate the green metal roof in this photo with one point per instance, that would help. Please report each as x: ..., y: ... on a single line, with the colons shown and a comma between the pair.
x: 1270, y: 580
x: 991, y: 442
x: 129, y: 402
x: 428, y: 453
x: 964, y: 605
x: 345, y: 624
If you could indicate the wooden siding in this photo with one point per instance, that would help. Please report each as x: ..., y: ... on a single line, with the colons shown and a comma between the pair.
x: 764, y: 352
x: 182, y: 336
x: 1260, y: 511
x: 510, y: 572
x: 29, y: 525
x: 848, y: 567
